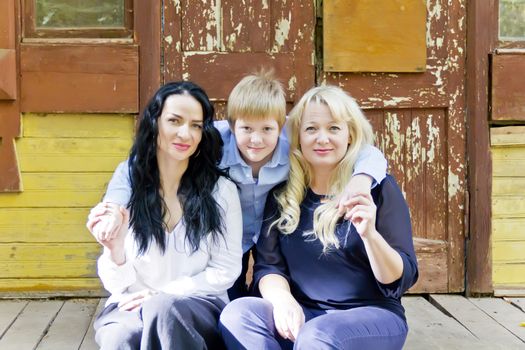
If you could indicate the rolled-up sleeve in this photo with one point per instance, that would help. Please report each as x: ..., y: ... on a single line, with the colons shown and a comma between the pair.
x: 393, y: 223
x: 372, y: 162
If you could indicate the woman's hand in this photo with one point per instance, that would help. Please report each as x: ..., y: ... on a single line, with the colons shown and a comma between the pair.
x: 287, y: 315
x: 103, y: 222
x: 363, y: 214
x: 133, y: 302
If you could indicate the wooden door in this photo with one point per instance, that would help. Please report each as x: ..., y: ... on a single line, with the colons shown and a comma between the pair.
x: 216, y: 43
x: 419, y: 120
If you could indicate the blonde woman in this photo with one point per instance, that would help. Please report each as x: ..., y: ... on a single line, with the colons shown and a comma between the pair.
x: 327, y: 282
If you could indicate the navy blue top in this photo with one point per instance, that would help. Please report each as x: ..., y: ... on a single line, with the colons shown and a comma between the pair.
x: 341, y: 278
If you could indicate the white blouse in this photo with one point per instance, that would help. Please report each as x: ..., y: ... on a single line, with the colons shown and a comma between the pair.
x: 211, y: 270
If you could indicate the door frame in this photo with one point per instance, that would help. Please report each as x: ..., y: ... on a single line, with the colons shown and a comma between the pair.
x: 481, y: 40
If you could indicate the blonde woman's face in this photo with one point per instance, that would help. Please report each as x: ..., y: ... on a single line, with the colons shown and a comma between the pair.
x: 323, y: 139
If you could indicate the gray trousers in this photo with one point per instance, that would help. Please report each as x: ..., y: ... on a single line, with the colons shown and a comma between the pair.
x: 164, y: 322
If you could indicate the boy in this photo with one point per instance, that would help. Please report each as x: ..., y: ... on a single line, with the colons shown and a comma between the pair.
x: 256, y: 153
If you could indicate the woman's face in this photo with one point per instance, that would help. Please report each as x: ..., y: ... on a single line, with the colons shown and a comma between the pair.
x: 180, y: 127
x: 323, y: 139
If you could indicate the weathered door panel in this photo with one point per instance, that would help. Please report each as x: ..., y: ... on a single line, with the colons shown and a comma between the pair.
x: 419, y: 120
x: 216, y: 43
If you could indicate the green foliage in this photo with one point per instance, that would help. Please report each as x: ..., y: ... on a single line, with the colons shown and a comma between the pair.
x: 79, y: 13
x: 512, y: 19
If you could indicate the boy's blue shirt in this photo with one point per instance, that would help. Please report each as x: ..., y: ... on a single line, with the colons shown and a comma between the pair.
x: 252, y: 192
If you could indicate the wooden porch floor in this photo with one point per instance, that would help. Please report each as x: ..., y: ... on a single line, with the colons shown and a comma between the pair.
x: 437, y: 322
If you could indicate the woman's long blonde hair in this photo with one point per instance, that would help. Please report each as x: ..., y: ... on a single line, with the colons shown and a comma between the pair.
x: 343, y: 108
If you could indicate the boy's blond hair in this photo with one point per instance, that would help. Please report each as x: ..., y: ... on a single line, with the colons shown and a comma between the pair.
x: 257, y: 96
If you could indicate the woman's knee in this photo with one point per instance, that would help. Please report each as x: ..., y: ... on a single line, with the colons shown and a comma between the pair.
x: 245, y: 309
x: 165, y: 306
x: 313, y: 335
x: 118, y: 337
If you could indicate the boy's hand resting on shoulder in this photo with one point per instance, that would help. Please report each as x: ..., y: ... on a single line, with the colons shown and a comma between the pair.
x: 359, y: 184
x: 105, y: 220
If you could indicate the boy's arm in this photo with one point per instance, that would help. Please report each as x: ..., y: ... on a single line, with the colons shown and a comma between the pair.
x: 371, y: 162
x: 369, y: 170
x: 119, y: 187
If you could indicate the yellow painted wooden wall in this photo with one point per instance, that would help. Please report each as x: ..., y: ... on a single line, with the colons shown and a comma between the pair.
x: 508, y: 210
x: 66, y: 162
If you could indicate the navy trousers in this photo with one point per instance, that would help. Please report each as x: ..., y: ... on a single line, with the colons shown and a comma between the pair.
x: 247, y: 323
x: 164, y: 322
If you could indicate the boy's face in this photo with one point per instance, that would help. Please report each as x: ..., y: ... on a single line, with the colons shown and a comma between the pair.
x: 256, y: 140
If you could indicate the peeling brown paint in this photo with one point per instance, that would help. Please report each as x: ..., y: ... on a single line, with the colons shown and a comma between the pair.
x: 420, y: 120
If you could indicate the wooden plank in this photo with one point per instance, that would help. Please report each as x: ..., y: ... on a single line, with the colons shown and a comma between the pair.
x: 509, y: 291
x: 31, y: 325
x: 508, y: 206
x: 509, y: 251
x: 43, y: 225
x: 104, y: 59
x: 79, y: 125
x: 246, y: 26
x: 508, y: 101
x: 55, y: 190
x: 376, y: 46
x: 72, y: 146
x: 432, y: 265
x: 52, y: 260
x: 10, y: 311
x: 71, y: 155
x: 293, y: 27
x: 430, y: 329
x: 507, y: 167
x: 518, y: 302
x: 202, y: 23
x: 8, y: 24
x: 88, y: 343
x: 381, y: 91
x: 476, y: 321
x: 435, y: 174
x: 202, y: 68
x: 8, y: 78
x: 507, y: 185
x: 59, y: 92
x: 504, y: 313
x: 147, y: 23
x: 172, y: 42
x: 70, y: 326
x: 50, y: 287
x: 504, y: 275
x: 9, y: 164
x: 507, y: 136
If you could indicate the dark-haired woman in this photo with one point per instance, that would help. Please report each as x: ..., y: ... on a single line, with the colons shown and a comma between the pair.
x: 169, y: 264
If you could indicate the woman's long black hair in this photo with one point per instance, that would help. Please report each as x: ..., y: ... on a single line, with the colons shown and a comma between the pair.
x: 201, y: 213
